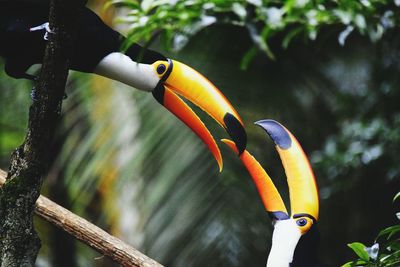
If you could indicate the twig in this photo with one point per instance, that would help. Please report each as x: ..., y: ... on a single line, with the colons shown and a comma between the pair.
x: 88, y: 233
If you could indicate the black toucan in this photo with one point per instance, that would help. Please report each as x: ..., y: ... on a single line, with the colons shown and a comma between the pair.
x: 295, y: 237
x: 23, y: 33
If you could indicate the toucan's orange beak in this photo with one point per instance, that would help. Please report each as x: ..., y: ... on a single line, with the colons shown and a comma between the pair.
x: 304, y: 200
x: 270, y: 196
x: 178, y: 79
x: 303, y: 190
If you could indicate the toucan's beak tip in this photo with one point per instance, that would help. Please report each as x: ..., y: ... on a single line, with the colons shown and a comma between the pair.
x: 277, y: 132
x: 220, y: 165
x: 236, y: 131
x: 231, y: 145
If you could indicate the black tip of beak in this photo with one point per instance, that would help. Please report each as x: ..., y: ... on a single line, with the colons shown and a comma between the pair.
x: 236, y: 132
x: 277, y: 133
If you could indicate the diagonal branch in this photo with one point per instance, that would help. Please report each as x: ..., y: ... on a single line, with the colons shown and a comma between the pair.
x: 89, y: 233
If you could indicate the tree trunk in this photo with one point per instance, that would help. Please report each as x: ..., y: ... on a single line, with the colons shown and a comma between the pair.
x: 19, y: 242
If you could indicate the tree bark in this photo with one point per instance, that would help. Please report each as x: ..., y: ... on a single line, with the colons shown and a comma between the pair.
x: 19, y: 242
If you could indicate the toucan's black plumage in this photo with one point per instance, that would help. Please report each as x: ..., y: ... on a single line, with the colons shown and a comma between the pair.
x: 97, y: 50
x: 22, y: 48
x: 306, y: 253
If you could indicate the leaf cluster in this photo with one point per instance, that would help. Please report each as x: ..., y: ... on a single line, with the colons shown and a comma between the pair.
x: 176, y: 21
x: 384, y: 253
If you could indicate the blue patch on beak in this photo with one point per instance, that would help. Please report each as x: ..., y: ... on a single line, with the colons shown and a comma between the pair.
x: 277, y: 133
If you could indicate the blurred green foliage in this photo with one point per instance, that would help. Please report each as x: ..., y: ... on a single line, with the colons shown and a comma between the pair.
x: 12, y: 121
x: 176, y: 21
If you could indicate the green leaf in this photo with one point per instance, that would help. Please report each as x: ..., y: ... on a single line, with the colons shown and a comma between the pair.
x: 147, y: 5
x: 355, y: 263
x: 390, y: 231
x: 396, y: 197
x: 247, y: 58
x: 288, y: 38
x: 239, y: 10
x: 359, y: 249
x: 391, y: 258
x: 133, y: 4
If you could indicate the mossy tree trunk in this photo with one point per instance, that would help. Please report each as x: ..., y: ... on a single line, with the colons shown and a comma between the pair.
x: 19, y: 243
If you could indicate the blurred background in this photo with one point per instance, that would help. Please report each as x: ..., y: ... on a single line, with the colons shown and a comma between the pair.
x: 133, y: 169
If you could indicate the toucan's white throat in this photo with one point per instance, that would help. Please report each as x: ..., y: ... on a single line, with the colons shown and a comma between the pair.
x: 285, y: 237
x: 122, y: 68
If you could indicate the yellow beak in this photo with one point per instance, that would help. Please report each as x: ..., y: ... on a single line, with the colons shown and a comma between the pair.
x: 300, y: 177
x: 304, y: 200
x: 178, y: 78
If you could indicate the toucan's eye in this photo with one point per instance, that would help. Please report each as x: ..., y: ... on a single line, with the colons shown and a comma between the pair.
x: 161, y: 69
x: 301, y: 222
x: 304, y: 224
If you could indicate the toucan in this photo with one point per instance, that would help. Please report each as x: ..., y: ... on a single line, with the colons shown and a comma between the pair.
x: 295, y: 237
x: 24, y: 30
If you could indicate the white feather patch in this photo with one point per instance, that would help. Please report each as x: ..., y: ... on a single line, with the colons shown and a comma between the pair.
x: 122, y: 68
x: 285, y: 237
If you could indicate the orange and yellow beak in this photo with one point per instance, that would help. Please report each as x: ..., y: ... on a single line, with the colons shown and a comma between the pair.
x: 178, y: 79
x: 270, y: 196
x: 303, y: 191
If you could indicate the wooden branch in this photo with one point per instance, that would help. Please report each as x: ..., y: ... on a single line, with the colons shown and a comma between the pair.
x: 88, y: 233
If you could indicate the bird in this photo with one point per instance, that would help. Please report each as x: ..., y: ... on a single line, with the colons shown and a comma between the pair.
x: 295, y: 236
x: 24, y: 30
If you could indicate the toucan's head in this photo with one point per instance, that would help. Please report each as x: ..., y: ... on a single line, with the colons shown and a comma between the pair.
x: 304, y: 203
x: 168, y: 80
